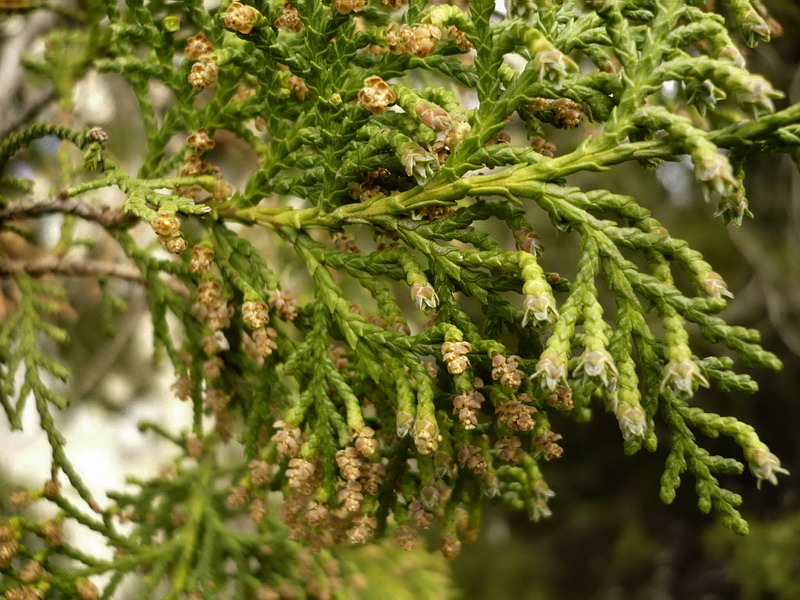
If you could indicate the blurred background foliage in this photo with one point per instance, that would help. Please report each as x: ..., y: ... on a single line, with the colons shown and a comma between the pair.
x: 609, y: 538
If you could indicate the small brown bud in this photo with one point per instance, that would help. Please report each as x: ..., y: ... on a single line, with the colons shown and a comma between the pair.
x: 98, y: 135
x: 7, y: 532
x: 260, y: 472
x: 543, y: 147
x: 298, y: 87
x: 52, y: 533
x: 201, y: 141
x: 87, y: 590
x: 285, y: 305
x: 470, y: 457
x: 561, y: 398
x: 289, y: 20
x: 567, y: 114
x: 195, y: 446
x: 316, y: 513
x: 24, y: 593
x: 51, y: 488
x: 267, y: 593
x: 345, y: 242
x: 31, y: 571
x: 258, y: 510
x: 194, y: 166
x: 349, y: 463
x: 287, y: 438
x: 238, y: 497
x: 19, y: 499
x: 198, y: 46
x: 8, y: 550
x: 451, y: 546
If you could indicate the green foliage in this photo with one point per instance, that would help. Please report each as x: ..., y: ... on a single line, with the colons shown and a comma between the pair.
x: 759, y: 564
x: 354, y: 412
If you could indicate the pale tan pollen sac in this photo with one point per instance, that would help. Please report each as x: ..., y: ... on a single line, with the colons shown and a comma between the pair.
x: 240, y: 17
x: 289, y: 20
x: 349, y: 461
x: 423, y: 41
x: 376, y: 95
x: 298, y: 87
x: 260, y: 344
x: 345, y: 7
x: 285, y: 304
x: 202, y: 258
x: 237, y: 497
x: 350, y: 496
x: 8, y: 550
x: 165, y: 224
x: 204, y: 73
x: 365, y: 442
x: 424, y: 296
x: 451, y: 546
x: 407, y: 537
x: 362, y: 529
x: 255, y: 314
x: 258, y: 510
x: 515, y: 415
x: 287, y: 438
x: 176, y: 244
x: 195, y: 446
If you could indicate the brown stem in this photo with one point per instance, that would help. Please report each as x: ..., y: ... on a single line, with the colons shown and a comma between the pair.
x: 60, y: 266
x: 56, y: 265
x: 110, y: 218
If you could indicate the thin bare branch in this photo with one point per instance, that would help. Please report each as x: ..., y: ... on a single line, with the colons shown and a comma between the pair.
x: 60, y: 266
x: 108, y: 217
